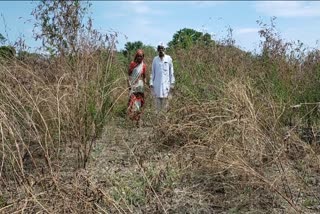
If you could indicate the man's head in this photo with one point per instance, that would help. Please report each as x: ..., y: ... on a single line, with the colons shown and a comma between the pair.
x: 161, y: 49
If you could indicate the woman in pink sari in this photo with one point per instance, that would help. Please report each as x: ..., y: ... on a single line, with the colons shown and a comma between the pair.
x: 136, y: 82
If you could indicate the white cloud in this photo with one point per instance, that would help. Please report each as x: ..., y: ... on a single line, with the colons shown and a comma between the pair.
x: 132, y: 9
x: 141, y: 15
x: 289, y: 8
x: 143, y: 22
x: 246, y: 30
x: 135, y: 2
x: 207, y: 3
x: 114, y: 15
x: 142, y: 7
x: 154, y: 35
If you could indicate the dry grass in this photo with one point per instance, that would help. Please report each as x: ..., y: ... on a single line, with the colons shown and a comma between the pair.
x: 51, y: 114
x: 225, y: 146
x: 235, y: 151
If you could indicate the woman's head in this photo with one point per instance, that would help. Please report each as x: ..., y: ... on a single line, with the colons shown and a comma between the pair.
x: 139, y: 56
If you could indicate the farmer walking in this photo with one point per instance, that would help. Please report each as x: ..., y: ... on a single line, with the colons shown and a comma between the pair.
x: 162, y: 79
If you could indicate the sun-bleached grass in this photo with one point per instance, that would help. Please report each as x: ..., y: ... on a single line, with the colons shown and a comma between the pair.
x: 237, y: 147
x: 52, y: 111
x: 231, y: 141
x: 237, y: 140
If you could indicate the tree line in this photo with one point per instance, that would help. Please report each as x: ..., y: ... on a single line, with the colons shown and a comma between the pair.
x: 183, y: 38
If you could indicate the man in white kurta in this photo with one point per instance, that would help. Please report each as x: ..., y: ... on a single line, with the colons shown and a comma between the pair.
x: 162, y: 78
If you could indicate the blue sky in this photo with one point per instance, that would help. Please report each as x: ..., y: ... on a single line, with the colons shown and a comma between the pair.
x: 155, y: 21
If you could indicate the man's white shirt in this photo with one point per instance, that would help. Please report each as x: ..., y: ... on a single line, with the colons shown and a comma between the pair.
x: 162, y: 76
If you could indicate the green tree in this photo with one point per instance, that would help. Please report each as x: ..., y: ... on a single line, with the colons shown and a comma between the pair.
x: 131, y: 47
x: 186, y: 37
x: 7, y: 52
x: 128, y: 53
x: 25, y: 55
x: 149, y: 50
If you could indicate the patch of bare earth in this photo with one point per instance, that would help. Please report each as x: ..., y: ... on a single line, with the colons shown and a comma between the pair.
x: 140, y: 175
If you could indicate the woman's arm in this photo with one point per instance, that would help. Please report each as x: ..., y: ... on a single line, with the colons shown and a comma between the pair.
x: 144, y: 74
x: 129, y: 73
x: 152, y: 74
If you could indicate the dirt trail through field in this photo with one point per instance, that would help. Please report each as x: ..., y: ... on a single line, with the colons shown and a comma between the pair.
x: 129, y: 167
x: 141, y: 175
